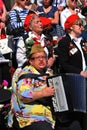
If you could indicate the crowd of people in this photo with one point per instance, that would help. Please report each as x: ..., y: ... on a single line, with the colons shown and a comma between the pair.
x: 49, y: 37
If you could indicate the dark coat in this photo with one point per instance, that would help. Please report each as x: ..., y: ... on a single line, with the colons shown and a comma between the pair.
x: 69, y: 55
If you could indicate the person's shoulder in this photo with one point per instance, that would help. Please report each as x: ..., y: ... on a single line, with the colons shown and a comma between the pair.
x: 65, y: 11
x: 23, y: 71
x: 39, y: 7
x: 54, y: 8
x: 65, y: 40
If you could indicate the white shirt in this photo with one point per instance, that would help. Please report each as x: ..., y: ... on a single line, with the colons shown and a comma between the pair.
x: 77, y: 42
x: 41, y: 40
x: 21, y: 50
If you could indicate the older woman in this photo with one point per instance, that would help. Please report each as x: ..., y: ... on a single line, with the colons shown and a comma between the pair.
x: 36, y: 32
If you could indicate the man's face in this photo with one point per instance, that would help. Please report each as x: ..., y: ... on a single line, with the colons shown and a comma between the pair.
x: 37, y: 25
x: 39, y: 60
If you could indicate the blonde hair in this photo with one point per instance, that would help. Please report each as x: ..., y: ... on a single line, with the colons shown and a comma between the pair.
x: 67, y: 2
x: 76, y: 22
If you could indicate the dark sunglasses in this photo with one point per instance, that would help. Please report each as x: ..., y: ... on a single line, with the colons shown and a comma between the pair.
x: 74, y: 0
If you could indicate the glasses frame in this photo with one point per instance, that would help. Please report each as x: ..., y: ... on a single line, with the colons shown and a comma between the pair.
x: 39, y: 58
x: 79, y: 24
x: 24, y: 0
x: 74, y: 0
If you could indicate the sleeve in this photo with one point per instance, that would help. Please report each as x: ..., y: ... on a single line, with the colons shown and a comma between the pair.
x: 21, y: 52
x: 25, y: 87
x: 14, y: 21
x: 63, y: 3
x: 62, y: 19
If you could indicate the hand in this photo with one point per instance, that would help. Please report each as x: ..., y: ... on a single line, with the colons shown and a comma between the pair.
x: 84, y: 74
x: 48, y: 91
x: 2, y: 25
x: 51, y: 61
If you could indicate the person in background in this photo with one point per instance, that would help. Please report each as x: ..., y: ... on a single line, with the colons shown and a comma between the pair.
x: 84, y: 32
x: 60, y: 4
x: 17, y: 18
x: 4, y: 67
x: 29, y: 5
x: 37, y: 2
x: 72, y: 8
x: 51, y: 12
x: 31, y: 104
x: 20, y: 8
x: 3, y: 13
x: 72, y: 55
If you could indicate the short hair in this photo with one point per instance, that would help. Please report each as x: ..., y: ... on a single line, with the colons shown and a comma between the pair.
x: 32, y: 18
x: 67, y: 2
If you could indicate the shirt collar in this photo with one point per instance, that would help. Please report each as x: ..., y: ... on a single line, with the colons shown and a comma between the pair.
x: 75, y: 40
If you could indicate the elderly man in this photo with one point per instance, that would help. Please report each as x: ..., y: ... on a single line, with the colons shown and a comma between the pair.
x: 31, y: 104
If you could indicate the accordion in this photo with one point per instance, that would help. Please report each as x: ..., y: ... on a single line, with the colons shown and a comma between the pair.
x: 70, y: 92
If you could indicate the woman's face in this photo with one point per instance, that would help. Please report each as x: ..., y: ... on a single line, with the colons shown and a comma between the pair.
x: 22, y: 3
x: 77, y: 28
x: 73, y: 3
x: 36, y: 25
x: 46, y: 3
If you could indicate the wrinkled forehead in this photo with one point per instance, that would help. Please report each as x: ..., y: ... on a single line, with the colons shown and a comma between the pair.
x: 35, y: 18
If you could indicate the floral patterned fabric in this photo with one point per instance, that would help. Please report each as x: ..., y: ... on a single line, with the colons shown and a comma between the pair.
x: 31, y: 112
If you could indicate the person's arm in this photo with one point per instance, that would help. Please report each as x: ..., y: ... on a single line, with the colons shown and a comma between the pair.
x: 55, y: 20
x: 21, y: 52
x: 3, y: 17
x: 84, y: 74
x: 45, y: 92
x: 62, y: 19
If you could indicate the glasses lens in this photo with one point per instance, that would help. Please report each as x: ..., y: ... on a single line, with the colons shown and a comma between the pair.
x: 23, y: 0
x: 39, y: 57
x: 79, y: 24
x: 74, y: 0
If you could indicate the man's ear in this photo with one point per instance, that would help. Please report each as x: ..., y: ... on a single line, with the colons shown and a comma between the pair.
x: 30, y: 28
x: 71, y: 28
x: 30, y: 61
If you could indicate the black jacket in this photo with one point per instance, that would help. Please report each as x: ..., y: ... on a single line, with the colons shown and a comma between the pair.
x: 69, y: 55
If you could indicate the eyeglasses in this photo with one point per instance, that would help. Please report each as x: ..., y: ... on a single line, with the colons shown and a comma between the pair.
x: 79, y: 24
x: 24, y: 0
x: 39, y: 58
x: 74, y: 0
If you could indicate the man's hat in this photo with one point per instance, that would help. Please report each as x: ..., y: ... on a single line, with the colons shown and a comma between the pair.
x: 84, y: 11
x: 70, y: 21
x: 36, y: 48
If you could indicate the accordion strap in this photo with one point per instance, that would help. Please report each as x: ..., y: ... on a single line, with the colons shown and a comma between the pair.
x: 30, y: 75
